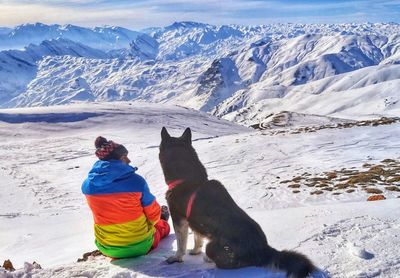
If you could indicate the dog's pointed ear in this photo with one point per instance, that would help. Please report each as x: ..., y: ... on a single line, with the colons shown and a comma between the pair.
x: 187, y: 136
x: 164, y: 134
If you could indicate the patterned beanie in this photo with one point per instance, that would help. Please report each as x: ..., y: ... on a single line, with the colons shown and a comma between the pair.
x: 107, y: 150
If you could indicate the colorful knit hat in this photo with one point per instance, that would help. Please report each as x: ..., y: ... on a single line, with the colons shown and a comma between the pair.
x: 107, y: 150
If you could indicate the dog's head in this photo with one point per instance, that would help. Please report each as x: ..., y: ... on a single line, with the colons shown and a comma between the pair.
x: 179, y: 159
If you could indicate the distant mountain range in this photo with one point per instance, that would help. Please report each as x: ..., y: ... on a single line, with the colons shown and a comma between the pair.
x: 241, y: 73
x: 104, y: 38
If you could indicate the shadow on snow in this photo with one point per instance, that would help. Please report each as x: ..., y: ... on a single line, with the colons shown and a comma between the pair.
x: 48, y: 117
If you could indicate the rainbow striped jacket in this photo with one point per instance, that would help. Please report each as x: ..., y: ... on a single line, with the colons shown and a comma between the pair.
x: 124, y: 210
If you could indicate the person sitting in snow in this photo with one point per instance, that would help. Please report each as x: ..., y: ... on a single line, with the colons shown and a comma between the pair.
x: 128, y: 221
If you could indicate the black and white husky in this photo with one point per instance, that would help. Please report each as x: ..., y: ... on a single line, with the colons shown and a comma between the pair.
x: 235, y: 239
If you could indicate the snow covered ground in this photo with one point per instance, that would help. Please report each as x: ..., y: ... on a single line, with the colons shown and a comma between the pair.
x: 46, y: 153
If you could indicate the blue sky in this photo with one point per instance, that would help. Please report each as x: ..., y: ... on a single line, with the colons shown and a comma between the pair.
x: 137, y: 14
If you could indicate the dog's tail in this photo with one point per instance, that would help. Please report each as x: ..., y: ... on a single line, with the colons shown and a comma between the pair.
x: 296, y: 265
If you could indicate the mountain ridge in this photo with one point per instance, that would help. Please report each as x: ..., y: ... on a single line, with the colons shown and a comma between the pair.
x: 201, y: 66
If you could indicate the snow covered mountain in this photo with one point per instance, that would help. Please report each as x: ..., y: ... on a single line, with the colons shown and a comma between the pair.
x: 104, y: 38
x: 18, y: 68
x: 364, y: 93
x: 241, y: 73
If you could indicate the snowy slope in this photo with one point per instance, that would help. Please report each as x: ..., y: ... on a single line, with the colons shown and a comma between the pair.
x: 365, y: 93
x: 48, y: 151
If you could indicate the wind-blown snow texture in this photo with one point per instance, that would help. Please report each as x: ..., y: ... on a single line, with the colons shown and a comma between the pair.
x: 241, y: 73
x: 46, y: 153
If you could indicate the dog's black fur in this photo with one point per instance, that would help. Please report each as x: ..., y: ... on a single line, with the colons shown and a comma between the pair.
x: 235, y: 239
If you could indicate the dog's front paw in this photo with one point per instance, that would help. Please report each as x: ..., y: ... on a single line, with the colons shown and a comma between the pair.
x: 195, y: 251
x: 174, y: 259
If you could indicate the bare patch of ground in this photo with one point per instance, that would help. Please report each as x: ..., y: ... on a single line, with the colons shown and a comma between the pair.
x: 371, y: 178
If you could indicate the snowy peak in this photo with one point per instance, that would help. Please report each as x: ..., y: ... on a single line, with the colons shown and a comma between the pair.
x: 61, y: 47
x: 185, y: 25
x: 184, y: 39
x: 26, y: 63
x: 32, y: 30
x: 144, y: 47
x: 306, y: 58
x: 104, y: 38
x: 217, y: 83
